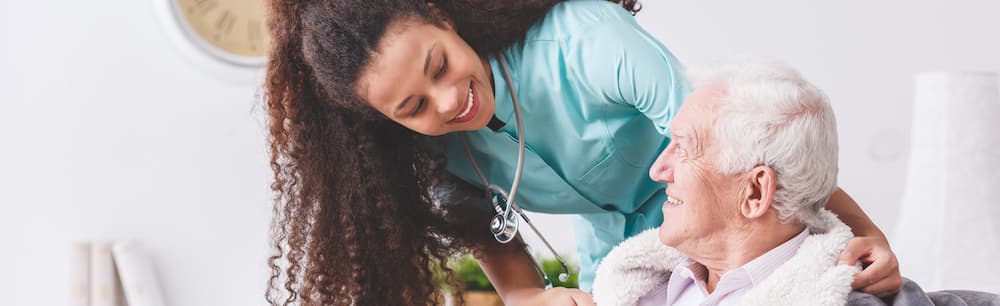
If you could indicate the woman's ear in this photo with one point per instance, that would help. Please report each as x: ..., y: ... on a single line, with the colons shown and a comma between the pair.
x: 442, y: 16
x: 759, y: 193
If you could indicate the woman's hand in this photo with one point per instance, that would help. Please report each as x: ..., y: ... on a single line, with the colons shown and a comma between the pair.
x: 557, y: 296
x: 880, y: 275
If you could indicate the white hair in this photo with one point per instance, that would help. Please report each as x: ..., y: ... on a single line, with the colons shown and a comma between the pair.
x: 769, y: 115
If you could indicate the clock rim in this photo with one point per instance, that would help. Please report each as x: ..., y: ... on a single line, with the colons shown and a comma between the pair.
x: 170, y: 13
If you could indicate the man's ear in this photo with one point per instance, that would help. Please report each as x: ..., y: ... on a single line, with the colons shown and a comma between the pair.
x: 759, y: 192
x: 441, y: 15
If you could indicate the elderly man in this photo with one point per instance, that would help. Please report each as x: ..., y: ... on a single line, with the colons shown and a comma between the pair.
x: 752, y: 161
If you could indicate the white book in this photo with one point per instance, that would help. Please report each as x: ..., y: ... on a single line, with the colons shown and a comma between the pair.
x: 104, y: 288
x: 138, y: 278
x: 79, y: 274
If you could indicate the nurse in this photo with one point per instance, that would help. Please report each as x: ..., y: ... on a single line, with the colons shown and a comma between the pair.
x: 367, y: 100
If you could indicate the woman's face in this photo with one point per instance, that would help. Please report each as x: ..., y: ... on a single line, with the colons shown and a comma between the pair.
x: 428, y: 79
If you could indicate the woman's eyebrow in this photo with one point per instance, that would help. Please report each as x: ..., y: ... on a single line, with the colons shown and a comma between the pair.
x: 401, y: 105
x: 427, y: 60
x: 427, y: 63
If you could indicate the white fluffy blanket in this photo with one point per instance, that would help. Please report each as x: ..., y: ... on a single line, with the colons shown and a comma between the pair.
x: 811, y: 277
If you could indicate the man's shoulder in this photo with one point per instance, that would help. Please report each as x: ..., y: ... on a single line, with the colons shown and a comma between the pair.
x: 911, y: 294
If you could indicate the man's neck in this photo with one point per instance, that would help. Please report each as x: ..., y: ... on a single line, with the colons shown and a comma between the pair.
x: 740, y: 247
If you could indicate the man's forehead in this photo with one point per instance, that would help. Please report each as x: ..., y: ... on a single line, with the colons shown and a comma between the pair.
x: 679, y: 128
x: 697, y: 112
x: 708, y: 97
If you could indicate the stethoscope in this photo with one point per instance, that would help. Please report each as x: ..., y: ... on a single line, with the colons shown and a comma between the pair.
x: 504, y: 224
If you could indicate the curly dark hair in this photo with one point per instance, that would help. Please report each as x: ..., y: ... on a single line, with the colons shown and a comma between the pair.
x: 364, y: 212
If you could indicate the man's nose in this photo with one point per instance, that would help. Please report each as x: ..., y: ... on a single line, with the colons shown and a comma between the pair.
x: 662, y: 169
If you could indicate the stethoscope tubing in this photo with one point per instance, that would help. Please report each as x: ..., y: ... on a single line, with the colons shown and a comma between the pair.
x: 519, y: 170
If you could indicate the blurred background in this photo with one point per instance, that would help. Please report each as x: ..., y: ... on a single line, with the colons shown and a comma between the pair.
x: 114, y: 125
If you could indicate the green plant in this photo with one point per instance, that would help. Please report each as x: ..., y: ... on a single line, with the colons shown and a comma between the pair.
x: 552, y: 268
x: 472, y: 277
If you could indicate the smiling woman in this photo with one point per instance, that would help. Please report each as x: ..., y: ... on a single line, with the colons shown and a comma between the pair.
x: 427, y: 79
x: 355, y: 213
x: 350, y: 100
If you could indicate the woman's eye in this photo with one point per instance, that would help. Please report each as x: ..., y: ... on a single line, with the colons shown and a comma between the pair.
x: 420, y: 106
x: 443, y: 68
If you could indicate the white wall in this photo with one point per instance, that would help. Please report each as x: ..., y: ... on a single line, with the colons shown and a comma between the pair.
x: 107, y: 131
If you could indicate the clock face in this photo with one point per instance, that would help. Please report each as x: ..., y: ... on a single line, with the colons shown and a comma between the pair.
x: 234, y: 27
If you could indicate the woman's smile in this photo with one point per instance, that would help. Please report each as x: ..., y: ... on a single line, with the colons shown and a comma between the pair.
x: 470, y: 108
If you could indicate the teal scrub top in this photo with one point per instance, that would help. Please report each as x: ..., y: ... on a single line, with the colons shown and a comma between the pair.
x: 596, y: 94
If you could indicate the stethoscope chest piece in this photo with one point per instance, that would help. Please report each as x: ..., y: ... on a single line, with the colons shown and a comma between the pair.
x: 504, y: 224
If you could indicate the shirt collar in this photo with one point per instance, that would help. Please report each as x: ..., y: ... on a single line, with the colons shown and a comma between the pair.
x: 690, y: 273
x: 502, y: 97
x: 761, y: 267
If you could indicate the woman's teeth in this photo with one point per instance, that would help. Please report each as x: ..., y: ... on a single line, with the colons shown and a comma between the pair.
x: 468, y: 105
x: 470, y: 109
x: 672, y: 201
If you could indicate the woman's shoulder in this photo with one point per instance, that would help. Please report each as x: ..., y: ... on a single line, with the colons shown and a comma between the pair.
x: 578, y: 18
x: 592, y: 9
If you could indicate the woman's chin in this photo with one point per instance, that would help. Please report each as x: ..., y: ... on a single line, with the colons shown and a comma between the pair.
x: 483, y: 117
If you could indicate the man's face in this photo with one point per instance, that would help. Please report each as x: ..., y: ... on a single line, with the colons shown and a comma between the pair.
x: 701, y: 202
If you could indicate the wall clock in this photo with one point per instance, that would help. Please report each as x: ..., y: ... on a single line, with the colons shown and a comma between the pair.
x: 227, y: 36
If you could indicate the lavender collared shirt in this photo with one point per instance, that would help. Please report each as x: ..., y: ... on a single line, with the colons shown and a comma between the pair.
x: 687, y: 283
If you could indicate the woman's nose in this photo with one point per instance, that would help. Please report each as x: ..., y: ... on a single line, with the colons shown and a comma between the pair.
x: 445, y: 99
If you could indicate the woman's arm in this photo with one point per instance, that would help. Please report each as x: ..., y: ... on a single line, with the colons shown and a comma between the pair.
x: 513, y: 274
x: 848, y: 210
x: 881, y: 273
